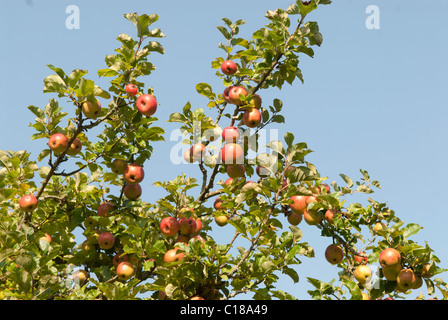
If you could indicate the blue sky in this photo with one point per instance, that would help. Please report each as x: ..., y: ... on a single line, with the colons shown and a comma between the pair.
x: 372, y: 99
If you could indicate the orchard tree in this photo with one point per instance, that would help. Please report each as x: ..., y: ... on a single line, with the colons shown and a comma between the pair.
x: 97, y: 149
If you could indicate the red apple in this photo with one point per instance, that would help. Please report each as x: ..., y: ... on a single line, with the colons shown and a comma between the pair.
x: 406, y: 279
x: 46, y: 237
x: 198, y: 226
x: 105, y: 208
x: 134, y: 173
x: 391, y: 273
x: 329, y: 216
x: 28, y: 203
x: 169, y: 226
x: 236, y: 170
x: 118, y: 258
x: 118, y: 166
x: 131, y: 89
x: 91, y: 110
x: 252, y: 117
x: 197, y: 151
x: 187, y: 226
x: 299, y: 205
x: 106, y: 240
x: 172, y: 255
x: 146, y: 104
x: 132, y: 191
x: 231, y: 134
x: 389, y: 257
x: 125, y: 270
x: 359, y: 259
x: 232, y: 153
x: 58, y: 142
x: 80, y: 277
x: 234, y: 95
x: 75, y: 147
x: 218, y: 204
x: 225, y: 94
x: 229, y: 67
x: 334, y: 254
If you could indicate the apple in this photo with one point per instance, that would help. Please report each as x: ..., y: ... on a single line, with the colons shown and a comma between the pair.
x: 131, y: 89
x: 310, y: 199
x: 106, y: 240
x: 183, y: 238
x: 255, y: 102
x: 187, y: 226
x: 134, y: 173
x: 218, y: 204
x: 365, y: 296
x: 418, y: 282
x: 90, y: 222
x: 134, y: 259
x: 91, y: 110
x: 229, y: 67
x: 146, y: 104
x: 58, y: 142
x: 125, y: 271
x: 232, y: 153
x: 197, y: 151
x: 225, y: 94
x: 172, y: 255
x: 46, y: 237
x: 334, y: 254
x: 326, y: 187
x: 389, y: 257
x: 252, y: 117
x: 132, y: 191
x: 105, y: 208
x: 196, y: 298
x: 118, y: 166
x: 236, y: 170
x: 169, y: 226
x: 221, y: 220
x: 230, y: 134
x: 312, y: 218
x: 425, y: 271
x: 198, y: 226
x: 391, y: 273
x: 80, y: 277
x: 294, y: 218
x: 406, y: 279
x: 75, y: 147
x: 362, y: 273
x: 234, y: 95
x: 329, y: 216
x: 359, y: 259
x: 378, y: 227
x: 262, y: 172
x: 118, y: 258
x: 299, y: 205
x: 28, y: 203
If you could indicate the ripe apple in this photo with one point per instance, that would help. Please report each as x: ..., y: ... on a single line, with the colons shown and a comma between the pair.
x: 391, y: 273
x: 91, y: 110
x: 221, y: 220
x: 252, y: 117
x: 225, y: 94
x: 80, y: 277
x: 132, y: 191
x: 134, y: 173
x: 105, y: 209
x: 389, y: 257
x: 218, y: 204
x: 294, y: 218
x: 362, y: 273
x: 106, y: 240
x: 197, y: 151
x: 125, y: 271
x: 230, y: 134
x: 232, y: 153
x: 334, y: 254
x: 187, y: 226
x: 75, y: 147
x: 118, y: 258
x: 146, y: 104
x: 58, y: 142
x: 378, y: 227
x: 299, y: 205
x: 418, y: 282
x: 172, y: 255
x: 118, y: 166
x: 183, y: 238
x: 196, y: 298
x: 198, y: 226
x: 234, y: 95
x: 312, y: 217
x: 365, y: 296
x: 131, y: 89
x: 359, y: 259
x: 255, y: 102
x: 229, y: 67
x: 46, y: 237
x: 406, y: 279
x: 326, y: 187
x: 169, y: 226
x: 28, y: 203
x: 236, y: 170
x: 329, y: 216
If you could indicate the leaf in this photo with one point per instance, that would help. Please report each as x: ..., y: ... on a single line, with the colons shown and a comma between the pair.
x: 276, y: 146
x: 411, y: 229
x: 54, y: 83
x: 155, y: 46
x: 142, y: 22
x: 347, y: 180
x: 206, y: 90
x: 289, y: 139
x: 224, y: 32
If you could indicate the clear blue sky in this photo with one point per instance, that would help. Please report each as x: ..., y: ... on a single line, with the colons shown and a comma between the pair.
x: 372, y: 99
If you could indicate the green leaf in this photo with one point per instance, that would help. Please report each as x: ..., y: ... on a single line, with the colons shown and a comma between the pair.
x: 142, y: 22
x: 54, y: 83
x: 347, y: 180
x: 411, y: 229
x: 155, y: 46
x: 224, y: 32
x: 206, y: 90
x: 289, y: 139
x: 306, y: 7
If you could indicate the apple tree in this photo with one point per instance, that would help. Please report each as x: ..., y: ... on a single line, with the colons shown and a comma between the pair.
x: 88, y: 180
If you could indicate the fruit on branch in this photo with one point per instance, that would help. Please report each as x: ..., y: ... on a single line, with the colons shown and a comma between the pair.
x: 195, y: 153
x: 28, y: 203
x: 75, y: 147
x: 231, y: 134
x: 118, y: 166
x: 90, y: 222
x: 391, y: 273
x: 334, y: 254
x: 172, y: 255
x: 198, y: 226
x: 312, y: 217
x: 225, y: 94
x: 106, y: 240
x: 146, y: 104
x: 252, y: 117
x: 406, y: 279
x: 362, y: 273
x: 378, y: 227
x: 134, y: 173
x: 125, y: 271
x: 359, y: 259
x: 80, y: 277
x: 255, y: 102
x: 118, y: 258
x: 131, y: 89
x: 262, y: 172
x: 232, y: 153
x: 229, y: 67
x: 418, y: 282
x: 132, y: 191
x: 365, y: 296
x: 234, y: 95
x: 58, y: 142
x: 425, y: 271
x: 299, y: 205
x: 91, y: 109
x: 389, y: 257
x: 196, y: 298
x: 294, y: 218
x: 187, y: 226
x: 183, y: 238
x: 105, y: 208
x: 221, y: 220
x: 46, y: 237
x: 329, y: 216
x: 169, y: 226
x: 218, y: 204
x: 236, y: 170
x: 326, y: 187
